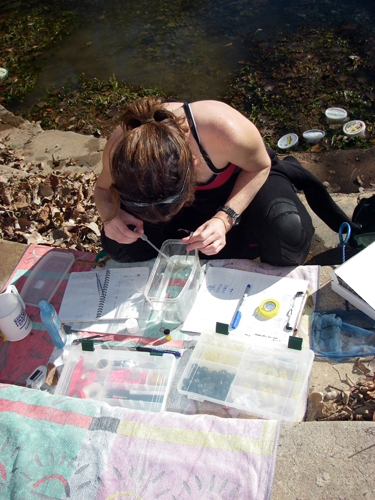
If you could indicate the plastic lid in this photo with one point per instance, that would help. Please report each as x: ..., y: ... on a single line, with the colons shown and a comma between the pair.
x: 336, y: 114
x: 314, y: 135
x: 355, y: 127
x: 288, y: 141
x: 46, y: 277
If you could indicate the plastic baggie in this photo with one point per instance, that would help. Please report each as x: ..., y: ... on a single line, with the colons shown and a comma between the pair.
x: 341, y: 334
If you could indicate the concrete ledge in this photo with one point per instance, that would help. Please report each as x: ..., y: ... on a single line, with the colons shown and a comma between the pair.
x: 314, y: 461
x: 10, y: 254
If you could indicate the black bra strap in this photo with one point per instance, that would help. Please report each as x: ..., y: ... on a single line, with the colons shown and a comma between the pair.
x: 193, y: 129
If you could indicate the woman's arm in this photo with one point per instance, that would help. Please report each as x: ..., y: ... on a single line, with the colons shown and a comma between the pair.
x: 117, y: 228
x: 230, y: 137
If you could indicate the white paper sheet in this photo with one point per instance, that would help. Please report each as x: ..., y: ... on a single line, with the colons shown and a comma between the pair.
x: 121, y: 295
x: 221, y: 291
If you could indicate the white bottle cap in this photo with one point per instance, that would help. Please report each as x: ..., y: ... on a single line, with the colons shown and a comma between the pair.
x: 132, y: 325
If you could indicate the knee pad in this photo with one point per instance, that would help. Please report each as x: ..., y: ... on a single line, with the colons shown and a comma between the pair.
x: 283, y: 217
x: 285, y: 222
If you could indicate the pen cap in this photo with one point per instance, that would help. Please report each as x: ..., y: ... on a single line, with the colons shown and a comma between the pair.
x: 132, y: 325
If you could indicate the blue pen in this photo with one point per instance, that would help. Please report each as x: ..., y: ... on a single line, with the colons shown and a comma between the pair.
x: 156, y: 351
x: 238, y: 313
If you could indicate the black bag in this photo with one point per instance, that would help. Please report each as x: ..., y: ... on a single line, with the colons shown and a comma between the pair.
x: 364, y: 216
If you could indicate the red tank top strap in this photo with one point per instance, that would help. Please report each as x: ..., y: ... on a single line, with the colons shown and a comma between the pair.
x: 219, y: 180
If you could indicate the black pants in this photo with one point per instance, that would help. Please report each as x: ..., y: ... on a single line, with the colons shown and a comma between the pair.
x: 275, y: 226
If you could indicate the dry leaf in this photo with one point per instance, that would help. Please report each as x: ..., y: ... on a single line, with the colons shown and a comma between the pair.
x: 34, y: 238
x: 346, y: 397
x: 314, y: 406
x: 58, y: 236
x: 361, y: 367
x: 24, y: 223
x: 52, y: 374
x: 94, y: 227
x: 44, y: 214
x: 6, y: 196
x: 45, y: 191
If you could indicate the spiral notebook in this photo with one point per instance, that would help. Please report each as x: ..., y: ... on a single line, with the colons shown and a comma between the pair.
x: 104, y: 295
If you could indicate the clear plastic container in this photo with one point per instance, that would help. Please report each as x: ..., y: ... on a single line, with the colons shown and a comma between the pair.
x: 266, y: 381
x: 46, y: 277
x: 174, y: 282
x: 130, y: 379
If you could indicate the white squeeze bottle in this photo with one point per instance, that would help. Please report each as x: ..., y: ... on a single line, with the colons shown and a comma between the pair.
x: 53, y: 324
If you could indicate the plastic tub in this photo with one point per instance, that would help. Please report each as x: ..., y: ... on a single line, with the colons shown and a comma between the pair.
x: 46, y: 277
x: 173, y: 284
x: 129, y: 379
x: 336, y: 115
x: 313, y: 136
x: 355, y: 128
x: 288, y: 141
x: 266, y: 381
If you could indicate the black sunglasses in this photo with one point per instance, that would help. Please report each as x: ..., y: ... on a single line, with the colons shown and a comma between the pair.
x: 167, y: 201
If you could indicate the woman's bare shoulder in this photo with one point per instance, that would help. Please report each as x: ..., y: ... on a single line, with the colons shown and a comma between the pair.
x: 222, y: 124
x: 218, y: 116
x: 211, y: 106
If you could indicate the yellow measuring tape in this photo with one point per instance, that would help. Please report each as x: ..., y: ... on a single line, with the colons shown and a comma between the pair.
x: 269, y: 308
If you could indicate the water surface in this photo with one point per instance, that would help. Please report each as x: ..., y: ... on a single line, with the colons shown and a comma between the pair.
x: 190, y: 47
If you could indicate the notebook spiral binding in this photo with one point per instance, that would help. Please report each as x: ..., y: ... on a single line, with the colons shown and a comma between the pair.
x: 104, y: 294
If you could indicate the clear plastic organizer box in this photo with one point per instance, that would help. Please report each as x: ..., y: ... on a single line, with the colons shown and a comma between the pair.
x: 130, y: 379
x: 265, y: 381
x: 174, y: 282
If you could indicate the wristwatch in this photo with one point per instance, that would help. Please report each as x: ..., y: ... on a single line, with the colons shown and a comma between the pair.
x: 236, y: 218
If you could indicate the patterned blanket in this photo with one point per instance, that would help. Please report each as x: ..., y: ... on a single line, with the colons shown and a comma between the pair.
x: 54, y: 447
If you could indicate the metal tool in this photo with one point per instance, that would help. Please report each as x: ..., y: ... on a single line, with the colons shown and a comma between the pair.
x: 144, y: 238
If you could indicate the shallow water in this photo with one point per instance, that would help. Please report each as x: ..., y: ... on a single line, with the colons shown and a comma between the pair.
x: 190, y: 47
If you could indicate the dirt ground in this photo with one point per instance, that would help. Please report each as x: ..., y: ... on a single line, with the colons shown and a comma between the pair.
x: 346, y: 171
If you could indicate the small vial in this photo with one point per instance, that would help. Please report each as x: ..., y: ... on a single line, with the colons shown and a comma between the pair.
x: 132, y: 326
x: 167, y: 334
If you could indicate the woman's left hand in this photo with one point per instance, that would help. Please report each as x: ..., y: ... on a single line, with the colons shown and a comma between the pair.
x: 209, y: 238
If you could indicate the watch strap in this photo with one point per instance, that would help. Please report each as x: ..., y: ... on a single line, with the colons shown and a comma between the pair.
x: 236, y: 218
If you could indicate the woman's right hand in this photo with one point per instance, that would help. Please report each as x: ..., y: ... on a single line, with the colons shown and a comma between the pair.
x: 117, y: 228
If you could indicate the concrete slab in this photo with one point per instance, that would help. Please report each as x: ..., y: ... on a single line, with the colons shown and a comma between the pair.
x: 315, y: 462
x: 10, y: 254
x: 55, y: 148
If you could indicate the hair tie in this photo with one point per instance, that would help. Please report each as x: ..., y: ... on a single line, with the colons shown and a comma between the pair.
x: 147, y: 121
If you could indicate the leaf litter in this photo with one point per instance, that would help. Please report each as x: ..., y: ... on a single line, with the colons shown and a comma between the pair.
x: 55, y: 209
x: 357, y: 402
